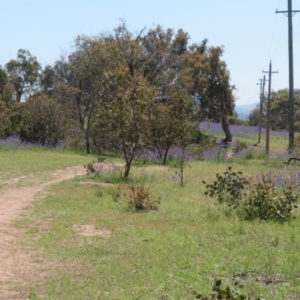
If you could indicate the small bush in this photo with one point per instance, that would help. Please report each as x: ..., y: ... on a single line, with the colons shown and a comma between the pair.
x: 257, y: 198
x: 229, y: 187
x: 137, y: 198
x: 239, y: 146
x: 228, y: 293
x: 266, y: 202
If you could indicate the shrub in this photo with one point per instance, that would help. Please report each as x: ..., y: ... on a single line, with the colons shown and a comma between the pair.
x: 137, y: 198
x: 257, y: 198
x: 266, y: 202
x: 229, y: 187
x: 228, y: 293
x: 239, y: 146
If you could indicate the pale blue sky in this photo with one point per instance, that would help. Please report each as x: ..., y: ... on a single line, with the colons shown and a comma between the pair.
x: 250, y: 30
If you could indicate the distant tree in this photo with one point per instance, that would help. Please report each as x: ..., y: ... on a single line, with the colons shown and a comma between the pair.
x: 164, y: 58
x: 234, y: 119
x: 279, y: 111
x: 169, y: 123
x: 129, y: 47
x: 3, y: 80
x: 23, y: 73
x: 253, y: 118
x: 44, y: 120
x: 5, y: 120
x: 85, y: 76
x: 47, y: 79
x: 210, y: 82
x: 6, y: 88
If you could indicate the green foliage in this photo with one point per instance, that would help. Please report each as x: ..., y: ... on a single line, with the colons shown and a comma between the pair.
x: 228, y: 293
x: 211, y: 81
x: 278, y: 111
x: 255, y: 198
x: 137, y: 197
x: 44, y: 120
x: 121, y: 124
x: 169, y: 123
x: 228, y: 188
x: 5, y: 120
x: 254, y: 117
x: 23, y: 73
x: 265, y: 202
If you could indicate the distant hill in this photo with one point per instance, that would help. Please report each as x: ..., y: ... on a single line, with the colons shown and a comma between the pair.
x: 243, y: 111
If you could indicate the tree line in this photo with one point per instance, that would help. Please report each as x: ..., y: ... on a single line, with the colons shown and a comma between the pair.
x: 279, y: 111
x: 124, y: 90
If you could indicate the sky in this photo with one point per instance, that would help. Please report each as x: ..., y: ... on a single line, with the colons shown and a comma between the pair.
x: 252, y: 34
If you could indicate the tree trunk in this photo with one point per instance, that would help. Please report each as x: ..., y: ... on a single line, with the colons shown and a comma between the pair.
x: 226, y: 129
x: 165, y: 156
x: 127, y: 167
x: 19, y: 96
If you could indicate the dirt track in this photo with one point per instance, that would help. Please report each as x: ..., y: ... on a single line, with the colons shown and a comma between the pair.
x: 16, y: 264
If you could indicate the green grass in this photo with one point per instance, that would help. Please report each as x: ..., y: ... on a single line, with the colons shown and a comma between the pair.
x: 22, y: 161
x: 175, y: 253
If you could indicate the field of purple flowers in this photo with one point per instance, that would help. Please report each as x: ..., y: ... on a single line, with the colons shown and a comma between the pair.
x: 237, y: 130
x: 15, y: 141
x: 217, y: 152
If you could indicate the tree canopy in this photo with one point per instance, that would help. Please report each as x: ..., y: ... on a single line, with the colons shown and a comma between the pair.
x: 124, y: 90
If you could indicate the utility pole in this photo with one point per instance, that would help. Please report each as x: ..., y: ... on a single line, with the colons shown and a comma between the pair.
x: 290, y: 13
x: 269, y: 108
x: 262, y: 92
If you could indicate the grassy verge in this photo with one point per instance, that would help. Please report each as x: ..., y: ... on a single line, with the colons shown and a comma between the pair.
x: 175, y: 253
x: 22, y: 161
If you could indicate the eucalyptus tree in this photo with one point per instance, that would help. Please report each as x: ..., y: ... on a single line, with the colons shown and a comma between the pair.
x: 253, y: 118
x: 210, y: 85
x: 3, y: 81
x: 165, y: 58
x: 47, y: 79
x: 164, y: 66
x: 6, y: 88
x: 84, y: 78
x: 129, y: 47
x: 122, y: 122
x: 44, y: 120
x: 23, y: 72
x: 170, y: 123
x: 279, y: 110
x: 5, y: 120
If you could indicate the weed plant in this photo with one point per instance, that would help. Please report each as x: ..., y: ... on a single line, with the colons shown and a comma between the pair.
x: 136, y: 197
x: 228, y: 293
